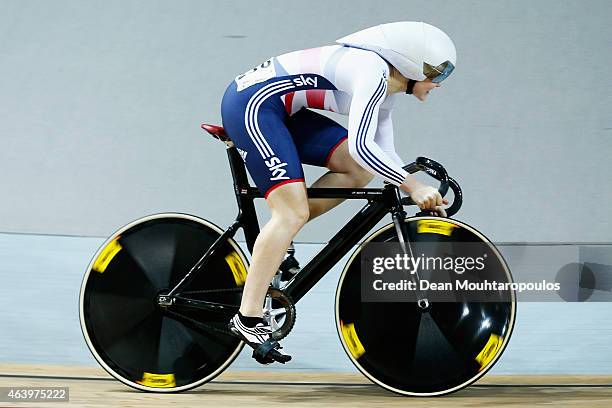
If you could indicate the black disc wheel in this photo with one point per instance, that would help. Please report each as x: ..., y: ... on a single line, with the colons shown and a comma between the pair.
x: 160, y: 348
x: 428, y: 351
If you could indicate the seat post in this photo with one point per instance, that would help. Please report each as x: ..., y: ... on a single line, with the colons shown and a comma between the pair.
x: 237, y: 167
x: 247, y: 216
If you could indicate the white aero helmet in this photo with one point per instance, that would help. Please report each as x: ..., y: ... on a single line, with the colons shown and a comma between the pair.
x: 418, y: 50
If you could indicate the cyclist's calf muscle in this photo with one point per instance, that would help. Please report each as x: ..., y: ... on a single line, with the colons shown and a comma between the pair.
x: 288, y: 205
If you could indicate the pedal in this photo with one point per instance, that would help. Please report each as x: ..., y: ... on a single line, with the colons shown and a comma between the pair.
x: 267, y: 353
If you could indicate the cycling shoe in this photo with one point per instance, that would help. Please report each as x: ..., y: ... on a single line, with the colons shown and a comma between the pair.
x: 265, y: 349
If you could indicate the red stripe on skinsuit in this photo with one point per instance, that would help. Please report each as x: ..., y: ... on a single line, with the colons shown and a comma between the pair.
x: 315, y: 98
x: 282, y: 183
x: 333, y: 149
x: 289, y: 102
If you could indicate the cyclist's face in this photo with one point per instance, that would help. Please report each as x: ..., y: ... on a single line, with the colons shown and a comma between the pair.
x: 422, y: 88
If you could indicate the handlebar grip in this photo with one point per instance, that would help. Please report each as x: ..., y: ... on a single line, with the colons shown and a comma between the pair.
x: 437, y: 171
x: 433, y: 168
x: 457, y: 200
x: 450, y: 211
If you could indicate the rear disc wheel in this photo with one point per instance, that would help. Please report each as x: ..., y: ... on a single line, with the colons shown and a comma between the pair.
x: 129, y: 334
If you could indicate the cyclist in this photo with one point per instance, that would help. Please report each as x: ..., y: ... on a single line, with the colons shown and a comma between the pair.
x: 268, y: 113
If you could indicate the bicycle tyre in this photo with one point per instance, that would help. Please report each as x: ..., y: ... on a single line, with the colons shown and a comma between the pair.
x: 429, y: 353
x: 128, y: 334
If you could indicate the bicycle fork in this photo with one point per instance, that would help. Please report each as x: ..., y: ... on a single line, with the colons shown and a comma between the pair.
x: 399, y: 215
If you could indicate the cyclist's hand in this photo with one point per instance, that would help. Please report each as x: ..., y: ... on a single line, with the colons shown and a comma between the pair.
x: 428, y: 198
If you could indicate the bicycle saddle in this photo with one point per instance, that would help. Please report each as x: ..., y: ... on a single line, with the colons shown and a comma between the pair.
x: 216, y: 131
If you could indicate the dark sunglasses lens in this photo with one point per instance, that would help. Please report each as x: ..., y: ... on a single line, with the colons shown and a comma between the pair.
x: 439, y: 73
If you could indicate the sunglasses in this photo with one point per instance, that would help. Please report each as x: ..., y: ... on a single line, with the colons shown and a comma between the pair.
x: 439, y: 73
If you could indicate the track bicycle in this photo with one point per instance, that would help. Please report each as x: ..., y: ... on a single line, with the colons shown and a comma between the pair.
x: 157, y: 295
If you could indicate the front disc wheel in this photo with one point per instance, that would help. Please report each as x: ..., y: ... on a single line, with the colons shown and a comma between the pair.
x: 432, y: 350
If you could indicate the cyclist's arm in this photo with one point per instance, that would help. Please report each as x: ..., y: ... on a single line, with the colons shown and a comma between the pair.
x: 383, y: 145
x: 369, y: 92
x: 385, y: 140
x: 384, y: 136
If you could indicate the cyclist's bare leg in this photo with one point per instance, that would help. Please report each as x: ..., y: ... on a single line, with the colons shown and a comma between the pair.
x: 343, y: 172
x: 289, y: 206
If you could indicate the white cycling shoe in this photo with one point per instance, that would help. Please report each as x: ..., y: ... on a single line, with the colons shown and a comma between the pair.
x: 265, y: 349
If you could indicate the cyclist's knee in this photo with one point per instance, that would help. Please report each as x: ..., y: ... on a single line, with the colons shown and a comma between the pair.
x: 342, y: 162
x: 293, y: 218
x: 289, y: 205
x: 360, y: 176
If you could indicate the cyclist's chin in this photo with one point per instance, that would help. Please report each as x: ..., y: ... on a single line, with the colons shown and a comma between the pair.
x: 422, y: 97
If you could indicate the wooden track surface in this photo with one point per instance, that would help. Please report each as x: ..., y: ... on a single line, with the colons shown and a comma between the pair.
x: 92, y: 387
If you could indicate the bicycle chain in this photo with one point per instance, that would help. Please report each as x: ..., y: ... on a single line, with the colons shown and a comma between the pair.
x: 204, y: 325
x: 195, y: 292
x: 196, y: 322
x: 199, y: 324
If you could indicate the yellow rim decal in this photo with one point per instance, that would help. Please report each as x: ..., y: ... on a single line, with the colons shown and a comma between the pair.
x: 237, y: 267
x: 158, y: 380
x: 435, y: 227
x: 490, y: 350
x: 352, y: 341
x: 107, y: 255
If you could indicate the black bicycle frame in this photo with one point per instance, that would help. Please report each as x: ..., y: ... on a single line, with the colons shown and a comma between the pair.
x: 381, y: 201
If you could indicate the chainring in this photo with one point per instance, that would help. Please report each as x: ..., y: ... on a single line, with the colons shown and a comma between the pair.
x: 279, y: 313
